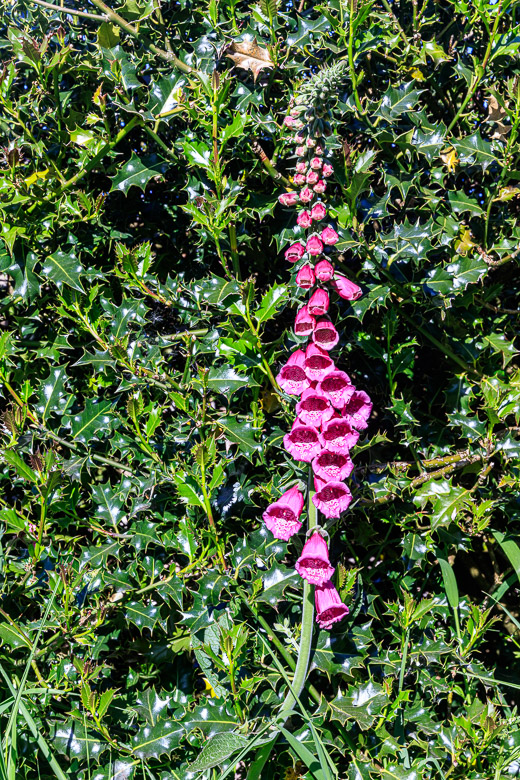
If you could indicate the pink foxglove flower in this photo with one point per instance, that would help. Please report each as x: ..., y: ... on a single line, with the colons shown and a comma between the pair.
x: 299, y: 179
x: 304, y: 322
x: 313, y: 564
x: 346, y: 289
x: 304, y: 219
x: 292, y: 377
x: 312, y: 177
x: 331, y: 498
x: 310, y: 143
x: 301, y: 166
x: 318, y: 211
x: 316, y: 164
x: 319, y: 303
x: 329, y: 236
x: 295, y: 252
x: 302, y: 442
x: 332, y: 466
x: 306, y: 195
x: 319, y: 150
x: 313, y: 408
x: 300, y: 151
x: 358, y: 410
x: 318, y: 363
x: 338, y: 435
x: 282, y: 517
x: 299, y: 139
x: 314, y: 246
x: 329, y: 607
x: 338, y: 388
x: 289, y: 121
x: 324, y: 270
x: 288, y: 198
x: 305, y: 277
x: 328, y: 170
x: 325, y: 335
x: 320, y: 187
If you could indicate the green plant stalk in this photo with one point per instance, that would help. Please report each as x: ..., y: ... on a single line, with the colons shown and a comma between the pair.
x: 351, y: 67
x: 404, y: 658
x: 211, y: 519
x: 72, y: 11
x: 304, y: 653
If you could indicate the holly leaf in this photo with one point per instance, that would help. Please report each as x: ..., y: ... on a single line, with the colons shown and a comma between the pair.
x: 447, y: 500
x: 63, y: 268
x: 214, y: 716
x: 227, y: 380
x: 143, y: 616
x: 92, y: 419
x: 473, y: 149
x: 241, y: 433
x: 250, y: 56
x: 138, y: 172
x: 277, y: 579
x: 362, y: 704
x: 74, y: 740
x: 52, y: 395
x: 398, y: 101
x: 161, y: 738
x: 271, y: 302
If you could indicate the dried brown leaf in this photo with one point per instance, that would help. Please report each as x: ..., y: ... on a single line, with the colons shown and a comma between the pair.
x: 250, y: 56
x: 496, y: 113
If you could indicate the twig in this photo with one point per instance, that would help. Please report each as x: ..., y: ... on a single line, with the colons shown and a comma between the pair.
x: 72, y: 11
x: 131, y: 30
x: 271, y: 170
x: 496, y: 309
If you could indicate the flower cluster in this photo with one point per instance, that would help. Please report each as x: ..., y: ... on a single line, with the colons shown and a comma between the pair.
x: 330, y: 411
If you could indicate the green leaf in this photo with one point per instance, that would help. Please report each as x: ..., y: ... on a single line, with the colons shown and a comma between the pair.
x: 64, y: 268
x: 138, y: 172
x: 275, y: 581
x: 163, y: 737
x: 430, y: 141
x: 95, y: 417
x: 52, y: 395
x: 143, y: 616
x: 333, y: 656
x: 396, y: 102
x: 21, y: 468
x: 214, y: 716
x: 75, y: 741
x: 450, y: 582
x: 473, y: 428
x: 460, y: 203
x: 149, y: 706
x: 241, y: 433
x: 108, y: 505
x: 235, y: 129
x: 305, y: 755
x: 189, y: 490
x: 511, y: 550
x: 473, y: 149
x: 363, y: 704
x: 227, y: 381
x: 447, y: 500
x: 457, y: 275
x: 164, y: 95
x: 271, y: 302
x: 216, y: 750
x: 11, y: 636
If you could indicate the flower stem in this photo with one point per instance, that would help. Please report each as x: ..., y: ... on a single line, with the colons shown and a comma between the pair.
x: 304, y: 652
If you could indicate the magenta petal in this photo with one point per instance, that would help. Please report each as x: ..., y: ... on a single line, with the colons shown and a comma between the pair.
x: 331, y: 498
x: 282, y: 517
x: 358, y: 410
x: 313, y: 564
x: 325, y: 335
x: 303, y: 442
x: 332, y: 466
x: 317, y: 363
x: 329, y: 607
x: 314, y: 408
x: 338, y: 435
x: 338, y: 388
x: 292, y: 377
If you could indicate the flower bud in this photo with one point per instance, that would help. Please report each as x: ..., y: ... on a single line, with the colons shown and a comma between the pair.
x: 346, y: 289
x: 319, y: 150
x: 306, y: 195
x: 300, y: 151
x: 295, y: 252
x: 305, y: 277
x: 299, y: 139
x: 316, y: 163
x: 324, y: 270
x: 320, y: 187
x: 328, y: 170
x: 318, y: 211
x: 314, y: 246
x: 301, y: 166
x: 319, y: 303
x: 312, y: 177
x: 289, y: 121
x: 288, y: 198
x: 329, y: 236
x: 299, y: 179
x: 310, y: 143
x: 304, y: 219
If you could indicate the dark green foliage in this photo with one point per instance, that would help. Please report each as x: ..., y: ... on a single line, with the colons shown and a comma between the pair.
x: 146, y: 613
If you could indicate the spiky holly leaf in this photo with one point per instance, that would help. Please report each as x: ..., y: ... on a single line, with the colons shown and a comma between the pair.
x: 362, y: 704
x: 138, y: 172
x: 250, y: 56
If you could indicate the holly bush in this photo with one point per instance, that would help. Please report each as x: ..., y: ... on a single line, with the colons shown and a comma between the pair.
x: 150, y: 624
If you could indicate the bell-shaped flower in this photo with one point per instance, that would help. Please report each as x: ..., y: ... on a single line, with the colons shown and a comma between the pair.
x: 292, y: 377
x: 304, y: 219
x: 288, y: 198
x: 314, y: 246
x: 332, y: 466
x: 358, y: 409
x: 313, y: 408
x: 331, y: 498
x: 338, y: 388
x: 329, y: 607
x: 318, y: 211
x: 324, y: 270
x: 329, y: 236
x: 304, y: 322
x: 319, y: 303
x: 283, y: 517
x: 325, y: 335
x: 346, y: 289
x: 318, y: 363
x: 305, y: 277
x: 313, y: 564
x: 295, y: 252
x: 302, y: 442
x: 337, y: 435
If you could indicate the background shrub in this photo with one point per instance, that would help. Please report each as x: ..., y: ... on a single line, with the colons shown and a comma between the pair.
x: 145, y: 311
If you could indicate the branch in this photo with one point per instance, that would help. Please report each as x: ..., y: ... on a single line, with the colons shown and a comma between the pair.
x: 72, y: 11
x: 271, y: 170
x: 131, y: 30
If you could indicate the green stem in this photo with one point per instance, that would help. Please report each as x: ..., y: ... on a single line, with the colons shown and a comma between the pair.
x: 402, y: 33
x: 352, y: 71
x: 304, y: 653
x: 404, y: 658
x: 72, y: 11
